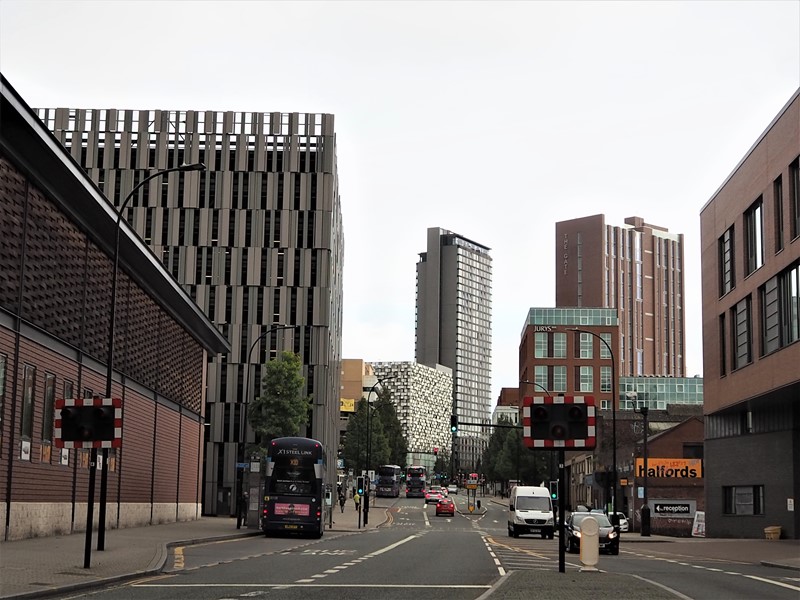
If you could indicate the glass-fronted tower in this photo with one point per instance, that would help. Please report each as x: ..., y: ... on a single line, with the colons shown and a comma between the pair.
x: 454, y: 329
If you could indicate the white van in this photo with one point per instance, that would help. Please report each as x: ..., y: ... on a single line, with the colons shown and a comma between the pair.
x: 530, y: 510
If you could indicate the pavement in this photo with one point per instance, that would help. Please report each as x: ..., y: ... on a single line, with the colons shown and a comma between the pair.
x: 53, y: 566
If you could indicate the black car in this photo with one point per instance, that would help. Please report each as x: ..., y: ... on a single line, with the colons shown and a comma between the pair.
x: 608, y: 536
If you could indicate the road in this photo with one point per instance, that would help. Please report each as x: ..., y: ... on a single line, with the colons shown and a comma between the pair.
x: 418, y: 554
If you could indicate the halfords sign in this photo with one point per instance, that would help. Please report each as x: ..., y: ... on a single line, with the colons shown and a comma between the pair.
x: 676, y: 468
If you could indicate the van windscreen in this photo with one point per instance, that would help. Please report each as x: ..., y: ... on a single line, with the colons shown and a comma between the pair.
x: 533, y: 503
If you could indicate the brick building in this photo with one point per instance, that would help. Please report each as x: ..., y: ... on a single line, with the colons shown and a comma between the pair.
x: 750, y: 231
x: 56, y: 248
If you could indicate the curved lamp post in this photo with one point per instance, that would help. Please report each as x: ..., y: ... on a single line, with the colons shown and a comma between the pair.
x: 614, y: 516
x: 368, y: 485
x: 101, y: 529
x: 243, y: 420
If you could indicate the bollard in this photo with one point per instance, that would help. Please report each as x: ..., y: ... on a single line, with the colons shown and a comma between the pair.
x: 479, y: 504
x: 590, y: 544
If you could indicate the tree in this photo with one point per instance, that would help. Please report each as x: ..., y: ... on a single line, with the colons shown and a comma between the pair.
x: 388, y: 445
x: 281, y: 409
x: 393, y: 430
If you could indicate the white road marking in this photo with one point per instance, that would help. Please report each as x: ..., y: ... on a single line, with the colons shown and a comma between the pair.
x: 309, y: 583
x: 780, y: 583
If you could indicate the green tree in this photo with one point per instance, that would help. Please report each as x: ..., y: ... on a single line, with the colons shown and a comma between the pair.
x: 281, y: 409
x: 355, y: 441
x: 392, y: 429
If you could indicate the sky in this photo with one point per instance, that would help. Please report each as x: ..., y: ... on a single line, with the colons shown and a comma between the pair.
x: 493, y: 120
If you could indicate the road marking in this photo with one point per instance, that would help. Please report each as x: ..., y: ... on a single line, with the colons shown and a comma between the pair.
x: 311, y: 583
x: 427, y: 522
x: 780, y: 583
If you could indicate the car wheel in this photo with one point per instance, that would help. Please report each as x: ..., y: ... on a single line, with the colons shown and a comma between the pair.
x: 516, y: 533
x: 510, y: 532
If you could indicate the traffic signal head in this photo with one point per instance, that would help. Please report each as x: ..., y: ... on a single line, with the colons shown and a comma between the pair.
x: 554, y: 422
x: 360, y: 485
x: 554, y: 490
x: 435, y: 451
x: 453, y: 423
x: 87, y: 423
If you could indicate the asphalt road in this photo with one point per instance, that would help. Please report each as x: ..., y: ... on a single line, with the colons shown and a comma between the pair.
x: 416, y: 554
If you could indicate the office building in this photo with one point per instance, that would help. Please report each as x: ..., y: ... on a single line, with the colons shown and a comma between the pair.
x: 56, y: 270
x: 256, y: 240
x: 454, y: 329
x: 750, y: 232
x: 636, y: 269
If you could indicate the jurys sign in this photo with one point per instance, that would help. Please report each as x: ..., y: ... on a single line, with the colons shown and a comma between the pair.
x: 675, y: 468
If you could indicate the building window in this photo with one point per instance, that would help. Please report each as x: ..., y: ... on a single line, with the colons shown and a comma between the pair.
x: 540, y: 345
x: 740, y: 335
x: 693, y: 450
x: 777, y: 193
x: 727, y: 273
x: 585, y: 379
x: 584, y: 345
x: 743, y: 500
x: 789, y: 304
x: 754, y: 236
x: 48, y: 408
x: 723, y: 347
x: 540, y: 376
x: 794, y: 196
x: 559, y: 379
x: 559, y: 345
x: 605, y: 350
x: 605, y: 379
x: 28, y: 395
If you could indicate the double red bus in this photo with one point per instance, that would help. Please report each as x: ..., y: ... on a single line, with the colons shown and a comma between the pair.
x: 294, y: 490
x: 415, y: 481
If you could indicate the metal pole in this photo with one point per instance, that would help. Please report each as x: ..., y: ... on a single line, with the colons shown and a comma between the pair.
x: 614, y: 516
x: 243, y: 422
x: 645, y: 507
x: 562, y: 508
x: 87, y: 549
x: 101, y: 528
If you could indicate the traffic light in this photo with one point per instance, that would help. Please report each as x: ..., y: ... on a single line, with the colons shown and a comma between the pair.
x: 559, y: 421
x: 435, y: 451
x: 453, y: 423
x: 87, y: 423
x: 554, y: 490
x: 360, y: 485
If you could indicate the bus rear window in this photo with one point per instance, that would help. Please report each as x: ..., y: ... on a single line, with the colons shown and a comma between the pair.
x: 291, y: 479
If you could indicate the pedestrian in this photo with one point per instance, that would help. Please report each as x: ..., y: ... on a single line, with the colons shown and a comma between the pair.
x: 342, y: 500
x: 357, y: 500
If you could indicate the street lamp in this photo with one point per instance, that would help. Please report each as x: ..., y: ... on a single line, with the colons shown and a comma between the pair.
x: 643, y: 410
x: 369, y: 449
x: 243, y: 421
x: 101, y: 529
x: 614, y: 516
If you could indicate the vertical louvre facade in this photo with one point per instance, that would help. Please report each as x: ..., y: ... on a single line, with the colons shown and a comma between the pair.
x: 636, y: 269
x: 256, y: 240
x: 453, y: 328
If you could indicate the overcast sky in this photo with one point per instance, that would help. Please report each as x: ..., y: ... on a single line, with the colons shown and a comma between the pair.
x: 493, y: 120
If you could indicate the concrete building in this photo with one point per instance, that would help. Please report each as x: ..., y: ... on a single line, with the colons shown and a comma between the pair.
x: 750, y: 232
x: 636, y: 269
x: 454, y: 329
x: 56, y: 271
x: 256, y: 240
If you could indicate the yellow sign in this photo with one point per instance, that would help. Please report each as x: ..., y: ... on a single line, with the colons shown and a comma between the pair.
x: 623, y: 482
x: 675, y: 468
x: 347, y: 405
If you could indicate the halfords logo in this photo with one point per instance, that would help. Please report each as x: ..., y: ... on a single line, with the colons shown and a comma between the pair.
x: 679, y: 468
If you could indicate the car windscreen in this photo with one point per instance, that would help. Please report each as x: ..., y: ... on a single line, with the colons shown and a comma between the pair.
x: 533, y: 503
x: 602, y: 520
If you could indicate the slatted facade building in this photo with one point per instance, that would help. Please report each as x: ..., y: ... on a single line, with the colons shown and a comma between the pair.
x: 256, y: 240
x: 56, y: 268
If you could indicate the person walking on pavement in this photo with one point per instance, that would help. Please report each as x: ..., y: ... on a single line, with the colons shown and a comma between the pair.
x: 357, y: 500
x: 342, y: 500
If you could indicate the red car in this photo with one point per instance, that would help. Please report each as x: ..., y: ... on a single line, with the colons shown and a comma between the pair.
x: 445, y: 506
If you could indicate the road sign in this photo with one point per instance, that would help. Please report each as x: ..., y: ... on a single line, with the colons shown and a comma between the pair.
x: 674, y: 508
x: 88, y: 423
x: 241, y: 465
